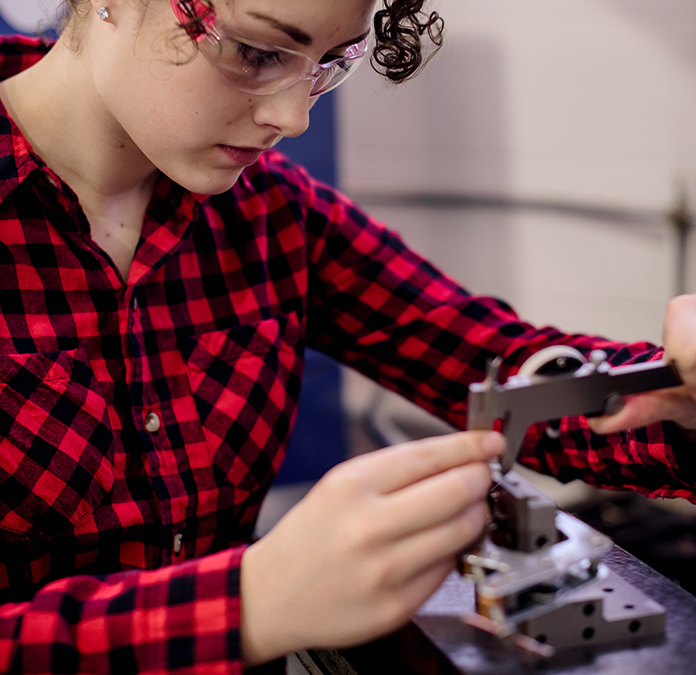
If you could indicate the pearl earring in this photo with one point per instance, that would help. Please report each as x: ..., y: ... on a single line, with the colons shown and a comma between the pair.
x: 103, y: 13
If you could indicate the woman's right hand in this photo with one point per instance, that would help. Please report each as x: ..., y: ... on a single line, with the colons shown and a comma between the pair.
x: 366, y: 547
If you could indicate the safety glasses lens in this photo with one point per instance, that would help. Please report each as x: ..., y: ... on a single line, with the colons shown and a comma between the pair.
x: 257, y: 67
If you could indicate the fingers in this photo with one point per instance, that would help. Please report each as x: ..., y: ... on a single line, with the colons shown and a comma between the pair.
x: 678, y: 404
x: 436, y: 499
x: 424, y: 584
x: 369, y: 543
x: 416, y: 553
x: 679, y: 329
x: 638, y: 411
x: 669, y: 404
x: 394, y: 468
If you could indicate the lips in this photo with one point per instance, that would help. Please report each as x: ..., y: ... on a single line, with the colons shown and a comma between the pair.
x: 242, y: 156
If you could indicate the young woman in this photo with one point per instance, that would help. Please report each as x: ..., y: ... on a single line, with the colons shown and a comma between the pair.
x: 162, y: 270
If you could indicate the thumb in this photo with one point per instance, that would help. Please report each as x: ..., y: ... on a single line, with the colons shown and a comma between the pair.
x: 639, y: 411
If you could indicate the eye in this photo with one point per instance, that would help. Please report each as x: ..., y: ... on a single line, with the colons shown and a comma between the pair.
x: 255, y: 57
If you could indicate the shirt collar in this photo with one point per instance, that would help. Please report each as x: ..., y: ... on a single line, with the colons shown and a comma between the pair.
x: 17, y: 160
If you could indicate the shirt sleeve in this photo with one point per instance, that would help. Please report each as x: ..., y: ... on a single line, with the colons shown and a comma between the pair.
x: 182, y: 618
x: 384, y: 310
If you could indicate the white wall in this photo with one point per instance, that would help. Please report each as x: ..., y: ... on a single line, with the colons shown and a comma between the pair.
x: 587, y: 103
x: 576, y: 100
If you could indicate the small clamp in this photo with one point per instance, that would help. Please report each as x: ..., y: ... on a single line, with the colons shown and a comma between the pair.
x: 593, y: 389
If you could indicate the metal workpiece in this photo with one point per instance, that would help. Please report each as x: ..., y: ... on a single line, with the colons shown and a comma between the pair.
x: 540, y: 585
x: 527, y: 580
x: 606, y: 611
x: 524, y: 517
x: 550, y: 392
x: 544, y: 557
x: 537, y: 570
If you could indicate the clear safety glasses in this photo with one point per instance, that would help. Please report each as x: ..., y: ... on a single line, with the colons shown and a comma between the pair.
x: 257, y: 67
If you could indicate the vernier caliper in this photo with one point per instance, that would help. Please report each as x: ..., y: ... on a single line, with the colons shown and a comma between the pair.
x: 593, y: 388
x: 539, y: 580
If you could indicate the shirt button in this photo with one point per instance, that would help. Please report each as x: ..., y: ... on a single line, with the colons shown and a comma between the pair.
x: 152, y: 422
x: 178, y: 542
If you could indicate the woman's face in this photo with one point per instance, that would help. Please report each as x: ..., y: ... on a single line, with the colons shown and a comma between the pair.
x: 189, y: 121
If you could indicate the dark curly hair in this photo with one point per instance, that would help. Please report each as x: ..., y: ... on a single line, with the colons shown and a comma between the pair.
x: 399, y: 30
x: 406, y: 37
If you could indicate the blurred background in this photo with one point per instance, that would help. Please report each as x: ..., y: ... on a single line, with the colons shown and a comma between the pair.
x: 547, y: 155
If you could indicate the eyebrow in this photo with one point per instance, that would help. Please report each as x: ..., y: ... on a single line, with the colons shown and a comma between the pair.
x: 298, y: 35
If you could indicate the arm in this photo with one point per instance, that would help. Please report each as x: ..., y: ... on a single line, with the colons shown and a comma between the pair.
x: 352, y: 561
x: 384, y: 310
x: 132, y: 622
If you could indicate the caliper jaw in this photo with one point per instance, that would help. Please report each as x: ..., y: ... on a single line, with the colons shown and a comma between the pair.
x: 593, y: 389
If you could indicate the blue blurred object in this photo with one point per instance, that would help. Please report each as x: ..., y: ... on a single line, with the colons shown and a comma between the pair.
x: 6, y: 29
x: 316, y: 148
x: 319, y: 439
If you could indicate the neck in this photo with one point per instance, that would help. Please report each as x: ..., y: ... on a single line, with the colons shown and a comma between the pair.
x: 56, y: 105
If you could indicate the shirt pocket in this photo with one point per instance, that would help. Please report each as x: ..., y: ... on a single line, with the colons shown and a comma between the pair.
x: 245, y: 383
x: 55, y: 443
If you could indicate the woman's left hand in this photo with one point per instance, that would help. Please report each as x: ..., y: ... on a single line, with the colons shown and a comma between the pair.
x: 677, y: 404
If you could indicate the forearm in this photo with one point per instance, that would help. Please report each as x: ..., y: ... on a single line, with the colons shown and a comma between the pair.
x: 418, y: 333
x: 656, y: 460
x: 141, y: 621
x: 264, y: 634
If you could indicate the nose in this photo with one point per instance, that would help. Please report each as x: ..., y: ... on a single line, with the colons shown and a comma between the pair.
x: 286, y: 110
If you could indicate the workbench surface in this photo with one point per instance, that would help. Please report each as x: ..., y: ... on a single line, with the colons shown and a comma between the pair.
x: 438, y: 642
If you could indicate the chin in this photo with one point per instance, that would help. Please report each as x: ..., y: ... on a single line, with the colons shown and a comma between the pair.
x: 203, y: 179
x: 209, y: 184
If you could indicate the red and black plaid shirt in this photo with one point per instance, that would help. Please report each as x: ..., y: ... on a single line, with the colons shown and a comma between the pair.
x: 142, y: 422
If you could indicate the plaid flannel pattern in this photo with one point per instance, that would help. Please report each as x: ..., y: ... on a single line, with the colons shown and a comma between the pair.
x: 142, y: 420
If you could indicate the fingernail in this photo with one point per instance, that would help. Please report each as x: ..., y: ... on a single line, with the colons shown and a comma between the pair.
x: 494, y: 443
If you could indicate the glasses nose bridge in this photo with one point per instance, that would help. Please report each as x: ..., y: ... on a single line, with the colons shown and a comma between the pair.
x: 311, y: 70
